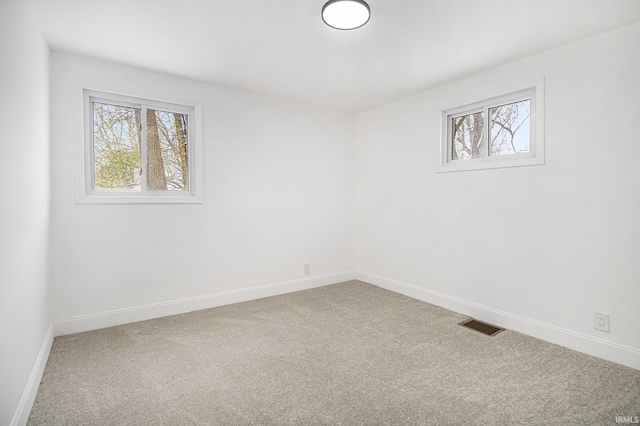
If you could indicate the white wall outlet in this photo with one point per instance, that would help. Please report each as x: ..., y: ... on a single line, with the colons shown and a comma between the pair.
x: 601, y: 321
x: 307, y: 268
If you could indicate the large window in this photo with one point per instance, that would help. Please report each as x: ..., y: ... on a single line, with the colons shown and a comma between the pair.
x: 138, y: 150
x: 505, y: 131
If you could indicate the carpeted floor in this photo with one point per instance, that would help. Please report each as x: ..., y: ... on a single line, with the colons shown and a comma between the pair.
x: 345, y: 354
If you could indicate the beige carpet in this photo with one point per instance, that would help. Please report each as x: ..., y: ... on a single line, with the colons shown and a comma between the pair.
x: 346, y: 354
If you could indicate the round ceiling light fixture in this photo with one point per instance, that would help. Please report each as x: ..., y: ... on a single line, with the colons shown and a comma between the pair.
x: 346, y: 14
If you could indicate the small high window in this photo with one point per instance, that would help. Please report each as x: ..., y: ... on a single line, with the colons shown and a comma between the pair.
x: 138, y: 150
x: 506, y: 131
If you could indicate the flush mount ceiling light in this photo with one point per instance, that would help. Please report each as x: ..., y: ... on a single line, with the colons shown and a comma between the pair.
x: 345, y: 14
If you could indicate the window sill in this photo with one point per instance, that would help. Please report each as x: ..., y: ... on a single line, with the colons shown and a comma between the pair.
x: 119, y: 198
x: 498, y: 163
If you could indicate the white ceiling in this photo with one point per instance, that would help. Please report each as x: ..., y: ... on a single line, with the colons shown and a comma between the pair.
x: 282, y: 48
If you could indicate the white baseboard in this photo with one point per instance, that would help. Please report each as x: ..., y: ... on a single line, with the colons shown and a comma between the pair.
x: 181, y: 306
x: 25, y: 404
x: 589, y: 345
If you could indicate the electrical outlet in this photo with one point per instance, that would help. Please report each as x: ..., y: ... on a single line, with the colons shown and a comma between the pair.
x: 601, y: 321
x: 307, y: 268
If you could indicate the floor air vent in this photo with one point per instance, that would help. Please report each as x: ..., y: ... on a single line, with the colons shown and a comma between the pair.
x: 482, y: 327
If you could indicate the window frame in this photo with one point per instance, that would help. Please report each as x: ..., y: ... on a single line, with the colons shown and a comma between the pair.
x: 535, y: 156
x: 87, y: 193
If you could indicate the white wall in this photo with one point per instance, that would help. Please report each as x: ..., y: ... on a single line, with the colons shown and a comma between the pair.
x: 24, y: 209
x: 538, y: 248
x: 279, y: 192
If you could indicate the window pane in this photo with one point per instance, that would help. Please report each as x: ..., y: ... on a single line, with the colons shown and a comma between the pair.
x: 468, y: 139
x: 116, y: 146
x: 167, y: 147
x: 510, y: 128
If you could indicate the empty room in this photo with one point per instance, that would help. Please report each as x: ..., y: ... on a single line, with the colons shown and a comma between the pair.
x: 320, y: 212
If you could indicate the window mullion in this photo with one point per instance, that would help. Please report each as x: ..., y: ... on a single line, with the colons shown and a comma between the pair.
x: 485, y: 153
x: 143, y: 148
x: 450, y: 146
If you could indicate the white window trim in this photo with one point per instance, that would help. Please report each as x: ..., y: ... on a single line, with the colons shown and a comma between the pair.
x: 534, y: 157
x: 85, y: 191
